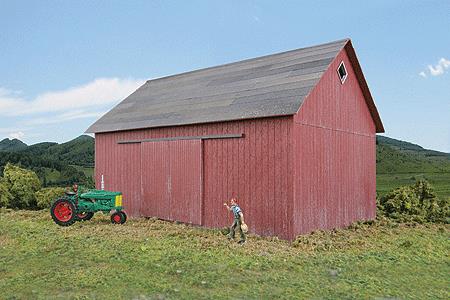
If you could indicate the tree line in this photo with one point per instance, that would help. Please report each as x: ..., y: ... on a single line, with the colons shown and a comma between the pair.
x: 42, y: 165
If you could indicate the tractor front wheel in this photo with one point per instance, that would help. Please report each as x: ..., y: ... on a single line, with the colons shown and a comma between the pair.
x: 119, y: 217
x: 85, y: 216
x: 63, y: 212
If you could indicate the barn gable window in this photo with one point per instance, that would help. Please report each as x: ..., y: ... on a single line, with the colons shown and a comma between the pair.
x: 342, y: 72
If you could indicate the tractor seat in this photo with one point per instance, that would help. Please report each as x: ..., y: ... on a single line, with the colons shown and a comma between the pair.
x: 68, y: 193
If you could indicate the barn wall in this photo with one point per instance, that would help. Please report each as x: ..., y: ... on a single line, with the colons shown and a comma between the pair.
x: 121, y: 168
x: 334, y: 155
x: 257, y: 169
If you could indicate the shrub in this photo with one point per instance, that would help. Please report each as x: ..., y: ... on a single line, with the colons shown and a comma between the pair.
x: 417, y: 203
x: 21, y: 184
x: 46, y: 196
x: 5, y: 195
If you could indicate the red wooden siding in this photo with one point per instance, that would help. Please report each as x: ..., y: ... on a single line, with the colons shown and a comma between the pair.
x: 186, y: 181
x: 122, y: 171
x: 155, y: 180
x: 334, y: 156
x: 172, y: 180
x: 256, y: 168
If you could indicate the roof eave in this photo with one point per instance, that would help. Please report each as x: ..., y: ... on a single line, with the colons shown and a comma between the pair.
x: 92, y: 129
x: 379, y: 128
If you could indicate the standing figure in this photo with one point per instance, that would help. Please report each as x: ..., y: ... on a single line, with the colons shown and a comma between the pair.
x: 238, y: 220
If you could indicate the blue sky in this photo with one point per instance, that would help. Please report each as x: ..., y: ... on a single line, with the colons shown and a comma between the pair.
x: 65, y: 63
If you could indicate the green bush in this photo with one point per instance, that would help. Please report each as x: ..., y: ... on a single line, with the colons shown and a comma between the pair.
x: 21, y: 184
x: 5, y: 195
x: 417, y: 203
x: 46, y: 196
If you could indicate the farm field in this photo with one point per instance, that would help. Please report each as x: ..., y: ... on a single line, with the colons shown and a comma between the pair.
x: 152, y: 259
x: 439, y: 181
x: 88, y: 171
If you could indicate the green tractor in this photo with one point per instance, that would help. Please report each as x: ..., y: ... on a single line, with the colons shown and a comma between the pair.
x: 81, y: 206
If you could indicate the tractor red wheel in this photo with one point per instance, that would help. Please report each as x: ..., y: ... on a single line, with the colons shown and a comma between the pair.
x: 119, y: 217
x: 124, y: 216
x: 85, y: 216
x: 63, y: 212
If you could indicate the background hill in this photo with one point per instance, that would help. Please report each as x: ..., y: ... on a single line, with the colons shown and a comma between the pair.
x: 56, y: 164
x: 398, y: 162
x: 12, y: 145
x: 403, y: 157
x: 402, y: 163
x: 79, y: 151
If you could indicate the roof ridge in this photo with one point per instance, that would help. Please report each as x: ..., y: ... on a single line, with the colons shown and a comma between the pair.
x: 344, y: 41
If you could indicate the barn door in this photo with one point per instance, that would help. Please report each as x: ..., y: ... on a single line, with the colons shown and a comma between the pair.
x: 186, y: 180
x: 155, y: 179
x: 172, y: 180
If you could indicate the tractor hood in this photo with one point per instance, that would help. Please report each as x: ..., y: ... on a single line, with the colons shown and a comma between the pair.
x: 100, y: 194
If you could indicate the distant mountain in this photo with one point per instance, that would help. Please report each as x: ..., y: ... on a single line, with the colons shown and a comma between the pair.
x: 39, y: 148
x: 396, y: 156
x: 409, y: 147
x: 55, y: 164
x: 12, y: 145
x: 79, y: 151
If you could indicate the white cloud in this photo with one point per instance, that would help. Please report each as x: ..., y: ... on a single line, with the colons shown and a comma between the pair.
x: 99, y: 92
x: 16, y: 135
x: 438, y: 69
x: 445, y: 63
x: 5, y: 92
x: 60, y: 118
x: 423, y: 74
x: 6, y: 130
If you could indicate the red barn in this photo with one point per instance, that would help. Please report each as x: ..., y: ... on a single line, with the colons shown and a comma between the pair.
x: 292, y: 135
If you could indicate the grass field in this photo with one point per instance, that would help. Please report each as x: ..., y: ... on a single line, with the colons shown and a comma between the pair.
x: 151, y: 259
x: 88, y: 171
x: 440, y: 182
x: 52, y: 174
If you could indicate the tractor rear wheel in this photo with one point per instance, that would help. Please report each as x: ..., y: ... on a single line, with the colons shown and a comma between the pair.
x: 119, y: 217
x: 124, y: 216
x: 63, y: 212
x: 85, y: 216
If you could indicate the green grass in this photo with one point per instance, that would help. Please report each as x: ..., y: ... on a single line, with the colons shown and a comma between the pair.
x: 401, y: 163
x: 439, y: 181
x: 88, y: 171
x: 52, y: 174
x: 151, y: 259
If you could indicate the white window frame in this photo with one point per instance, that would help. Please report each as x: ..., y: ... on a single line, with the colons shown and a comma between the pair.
x: 339, y: 74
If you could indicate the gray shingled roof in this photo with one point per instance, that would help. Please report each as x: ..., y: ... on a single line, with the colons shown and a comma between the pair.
x: 273, y: 85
